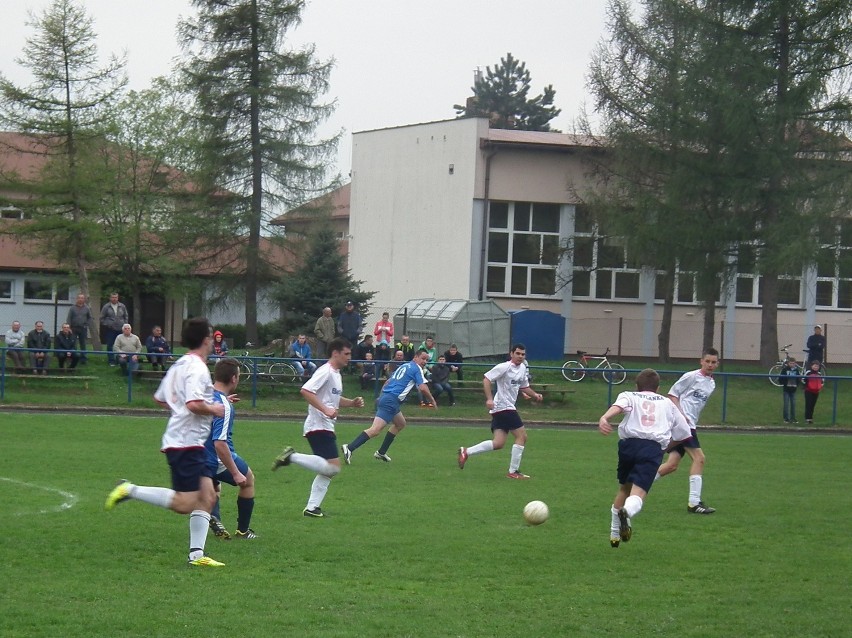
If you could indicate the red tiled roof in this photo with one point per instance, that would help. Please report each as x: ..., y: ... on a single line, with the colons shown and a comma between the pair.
x: 336, y: 202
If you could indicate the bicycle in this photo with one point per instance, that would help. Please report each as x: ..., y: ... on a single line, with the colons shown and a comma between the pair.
x: 775, y: 371
x: 276, y: 371
x: 575, y: 371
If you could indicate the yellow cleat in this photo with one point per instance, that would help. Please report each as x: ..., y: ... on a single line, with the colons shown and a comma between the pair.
x: 205, y: 561
x: 120, y: 492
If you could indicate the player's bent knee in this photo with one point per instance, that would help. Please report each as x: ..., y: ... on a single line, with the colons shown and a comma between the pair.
x: 332, y: 470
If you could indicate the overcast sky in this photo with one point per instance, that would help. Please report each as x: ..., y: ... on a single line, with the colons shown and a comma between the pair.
x: 396, y: 62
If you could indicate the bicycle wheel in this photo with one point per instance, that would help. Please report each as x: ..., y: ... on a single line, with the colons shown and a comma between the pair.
x: 246, y: 368
x: 614, y: 373
x: 774, y: 371
x: 577, y: 374
x: 282, y: 372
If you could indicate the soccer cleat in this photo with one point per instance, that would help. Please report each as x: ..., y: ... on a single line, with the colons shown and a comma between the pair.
x: 347, y: 454
x: 462, y: 457
x: 283, y: 458
x: 247, y: 535
x: 614, y: 540
x: 119, y: 494
x: 313, y: 513
x: 381, y: 457
x: 205, y: 561
x: 701, y: 508
x: 218, y: 529
x: 517, y: 475
x: 625, y: 530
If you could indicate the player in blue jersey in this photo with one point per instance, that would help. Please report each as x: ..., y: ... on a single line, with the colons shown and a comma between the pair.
x: 396, y: 389
x: 510, y: 377
x: 690, y: 395
x: 226, y: 465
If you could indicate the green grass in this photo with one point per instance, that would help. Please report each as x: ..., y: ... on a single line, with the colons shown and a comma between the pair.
x: 419, y: 548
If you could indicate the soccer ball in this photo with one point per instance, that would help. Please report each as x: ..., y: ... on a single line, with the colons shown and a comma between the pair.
x: 536, y: 512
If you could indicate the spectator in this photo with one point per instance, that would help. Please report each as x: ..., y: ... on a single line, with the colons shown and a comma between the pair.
x: 300, y: 350
x: 384, y: 337
x: 429, y: 346
x: 220, y: 346
x: 364, y: 347
x: 38, y: 340
x: 441, y: 379
x: 127, y: 348
x: 349, y: 323
x: 113, y: 317
x: 816, y: 345
x: 80, y: 318
x: 398, y: 360
x: 16, y: 339
x: 65, y: 345
x: 159, y: 350
x: 406, y: 347
x: 455, y: 359
x: 324, y: 331
x: 813, y: 386
x: 789, y: 381
x: 368, y: 371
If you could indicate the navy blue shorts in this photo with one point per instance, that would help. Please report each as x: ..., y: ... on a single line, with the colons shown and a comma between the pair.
x: 387, y: 407
x: 226, y: 476
x: 506, y: 420
x: 323, y: 443
x: 690, y: 442
x: 638, y: 461
x: 188, y: 465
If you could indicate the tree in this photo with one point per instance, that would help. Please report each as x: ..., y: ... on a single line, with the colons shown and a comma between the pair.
x: 321, y: 280
x: 502, y: 97
x: 64, y: 109
x: 257, y: 106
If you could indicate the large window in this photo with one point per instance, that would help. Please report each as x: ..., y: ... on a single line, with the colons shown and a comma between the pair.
x: 6, y: 289
x: 834, y: 267
x: 523, y: 248
x: 601, y: 265
x: 45, y: 290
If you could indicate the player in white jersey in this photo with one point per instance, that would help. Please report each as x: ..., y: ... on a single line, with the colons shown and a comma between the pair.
x: 511, y: 377
x: 652, y: 423
x: 324, y: 394
x: 188, y: 393
x: 690, y: 395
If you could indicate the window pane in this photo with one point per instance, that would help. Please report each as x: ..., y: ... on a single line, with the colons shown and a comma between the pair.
x: 546, y: 218
x: 660, y: 288
x: 583, y: 251
x: 522, y: 216
x: 499, y: 215
x: 745, y: 259
x: 686, y: 288
x: 550, y: 250
x: 5, y: 289
x: 788, y: 291
x: 627, y: 285
x: 525, y: 249
x: 542, y: 281
x: 519, y: 280
x: 38, y: 290
x: 603, y: 284
x: 610, y: 256
x: 827, y: 231
x: 845, y: 264
x: 825, y: 262
x: 583, y: 220
x: 824, y: 293
x: 582, y: 283
x: 62, y: 292
x: 498, y: 247
x: 745, y: 290
x: 846, y: 233
x: 496, y: 279
x: 844, y: 294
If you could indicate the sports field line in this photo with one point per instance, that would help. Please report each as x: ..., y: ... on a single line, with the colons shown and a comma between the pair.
x: 69, y: 502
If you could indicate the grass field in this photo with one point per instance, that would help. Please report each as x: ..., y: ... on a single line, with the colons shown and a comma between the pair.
x: 419, y: 548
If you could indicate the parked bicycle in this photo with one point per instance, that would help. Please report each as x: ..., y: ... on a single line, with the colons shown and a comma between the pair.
x: 271, y: 370
x: 575, y: 371
x: 775, y: 370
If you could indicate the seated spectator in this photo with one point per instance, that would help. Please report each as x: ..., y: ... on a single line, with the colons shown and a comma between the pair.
x: 159, y: 350
x: 429, y: 346
x: 127, y: 348
x: 368, y: 371
x: 398, y: 360
x: 441, y: 379
x: 16, y: 341
x: 220, y: 346
x: 65, y: 345
x: 455, y: 359
x: 39, y: 341
x: 359, y: 352
x: 300, y: 351
x: 406, y: 347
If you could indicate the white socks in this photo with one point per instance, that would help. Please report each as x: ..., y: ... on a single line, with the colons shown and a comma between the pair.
x: 314, y: 463
x: 615, y: 524
x: 515, y: 462
x: 318, y: 490
x: 633, y: 505
x: 695, y: 489
x: 159, y: 496
x: 479, y: 448
x: 199, y: 522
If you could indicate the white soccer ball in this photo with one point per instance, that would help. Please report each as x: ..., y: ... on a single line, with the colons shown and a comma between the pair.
x: 536, y: 512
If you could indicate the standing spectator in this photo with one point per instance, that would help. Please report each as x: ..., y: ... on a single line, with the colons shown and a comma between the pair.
x: 349, y: 323
x: 789, y: 382
x: 384, y: 337
x: 324, y: 394
x: 127, y: 348
x: 80, y: 318
x: 324, y: 331
x: 16, y: 340
x: 65, y: 344
x: 300, y: 351
x: 429, y: 346
x: 158, y: 348
x: 441, y: 379
x: 813, y: 386
x: 113, y: 317
x: 455, y: 359
x: 188, y: 393
x: 39, y: 341
x: 406, y: 347
x: 816, y: 345
x: 220, y: 346
x: 510, y: 378
x: 652, y: 424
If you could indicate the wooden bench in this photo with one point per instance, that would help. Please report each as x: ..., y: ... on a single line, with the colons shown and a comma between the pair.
x: 53, y: 375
